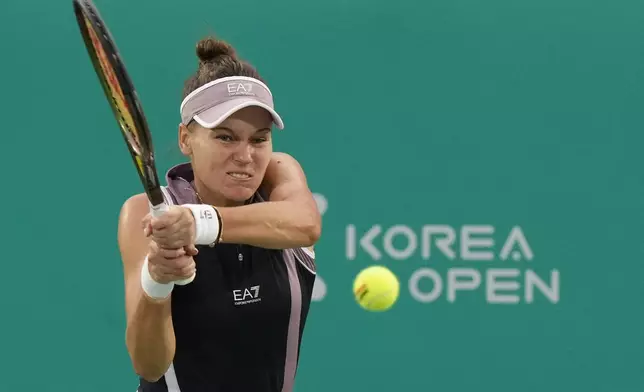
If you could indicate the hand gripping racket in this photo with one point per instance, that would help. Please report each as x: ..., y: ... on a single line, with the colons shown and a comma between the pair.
x: 124, y: 101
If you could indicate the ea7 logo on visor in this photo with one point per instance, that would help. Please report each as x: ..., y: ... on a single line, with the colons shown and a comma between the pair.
x: 238, y: 88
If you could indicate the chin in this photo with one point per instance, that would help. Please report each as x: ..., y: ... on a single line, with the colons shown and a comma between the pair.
x: 239, y: 195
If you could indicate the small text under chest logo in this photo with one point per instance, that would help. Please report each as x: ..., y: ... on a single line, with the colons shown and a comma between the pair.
x: 246, y: 296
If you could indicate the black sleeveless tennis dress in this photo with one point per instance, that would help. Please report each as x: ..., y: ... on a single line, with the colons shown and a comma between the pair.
x: 239, y: 324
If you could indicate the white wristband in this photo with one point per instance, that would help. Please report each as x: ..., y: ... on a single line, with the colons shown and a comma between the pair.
x: 151, y: 287
x: 207, y: 223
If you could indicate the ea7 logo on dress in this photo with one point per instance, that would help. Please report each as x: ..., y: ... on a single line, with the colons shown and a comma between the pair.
x: 240, y: 88
x: 246, y: 296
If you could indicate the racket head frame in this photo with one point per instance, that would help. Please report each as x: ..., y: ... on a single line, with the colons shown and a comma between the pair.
x: 143, y: 154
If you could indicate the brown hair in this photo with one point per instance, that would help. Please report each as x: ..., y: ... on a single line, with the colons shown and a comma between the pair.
x: 217, y: 59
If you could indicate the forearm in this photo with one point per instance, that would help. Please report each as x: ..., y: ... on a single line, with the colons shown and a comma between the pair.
x: 150, y: 338
x: 272, y: 225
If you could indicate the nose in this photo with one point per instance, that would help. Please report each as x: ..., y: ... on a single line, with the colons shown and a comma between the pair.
x: 244, y: 154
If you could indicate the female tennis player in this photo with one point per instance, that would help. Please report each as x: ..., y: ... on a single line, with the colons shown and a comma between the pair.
x: 242, y: 222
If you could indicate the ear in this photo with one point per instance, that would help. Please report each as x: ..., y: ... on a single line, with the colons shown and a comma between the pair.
x: 184, y: 140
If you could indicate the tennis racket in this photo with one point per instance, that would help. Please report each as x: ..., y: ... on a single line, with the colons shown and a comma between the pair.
x: 123, y: 100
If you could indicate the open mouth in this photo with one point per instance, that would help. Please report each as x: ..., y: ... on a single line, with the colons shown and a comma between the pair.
x: 239, y: 175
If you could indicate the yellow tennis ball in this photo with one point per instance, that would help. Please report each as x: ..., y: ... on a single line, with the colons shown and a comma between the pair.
x: 376, y: 288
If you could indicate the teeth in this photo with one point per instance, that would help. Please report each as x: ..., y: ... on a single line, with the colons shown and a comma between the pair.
x: 239, y: 175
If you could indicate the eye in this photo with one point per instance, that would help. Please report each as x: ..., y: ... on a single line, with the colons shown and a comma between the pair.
x: 259, y: 140
x: 225, y: 138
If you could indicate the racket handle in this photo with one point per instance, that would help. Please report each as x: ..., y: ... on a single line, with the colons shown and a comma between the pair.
x: 157, y: 211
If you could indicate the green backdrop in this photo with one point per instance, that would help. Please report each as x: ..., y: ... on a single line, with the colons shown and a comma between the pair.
x: 470, y: 121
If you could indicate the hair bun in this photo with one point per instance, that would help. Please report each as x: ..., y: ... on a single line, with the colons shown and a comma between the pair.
x: 209, y: 49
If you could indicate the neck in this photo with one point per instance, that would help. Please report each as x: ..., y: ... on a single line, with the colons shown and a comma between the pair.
x: 213, y: 198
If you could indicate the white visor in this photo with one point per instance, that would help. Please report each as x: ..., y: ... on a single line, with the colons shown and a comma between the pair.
x: 212, y: 103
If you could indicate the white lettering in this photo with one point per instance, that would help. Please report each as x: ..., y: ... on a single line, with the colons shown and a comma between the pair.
x: 475, y: 243
x: 468, y: 243
x: 237, y: 295
x: 493, y: 285
x: 414, y: 288
x: 501, y: 286
x: 350, y: 242
x: 410, y: 236
x: 366, y: 242
x: 455, y: 283
x: 516, y: 237
x: 255, y: 291
x: 236, y: 88
x: 444, y: 244
x: 551, y: 292
x: 246, y: 296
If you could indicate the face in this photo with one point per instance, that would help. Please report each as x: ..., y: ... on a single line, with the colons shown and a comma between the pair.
x: 229, y: 161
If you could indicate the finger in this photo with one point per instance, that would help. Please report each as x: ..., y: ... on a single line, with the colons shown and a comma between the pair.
x: 145, y: 225
x: 169, y: 231
x: 165, y: 220
x: 191, y: 250
x: 167, y: 273
x: 164, y: 234
x: 183, y: 262
x: 186, y: 272
x: 175, y: 263
x: 176, y: 218
x: 159, y: 277
x: 159, y: 223
x: 174, y: 239
x: 170, y: 243
x: 171, y: 253
x: 146, y: 220
x: 170, y: 218
x: 158, y: 235
x: 147, y: 230
x: 153, y: 248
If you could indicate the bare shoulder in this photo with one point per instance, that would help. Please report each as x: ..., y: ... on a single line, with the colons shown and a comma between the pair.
x: 133, y: 209
x: 284, y: 167
x: 133, y: 246
x: 131, y: 240
x: 282, y: 157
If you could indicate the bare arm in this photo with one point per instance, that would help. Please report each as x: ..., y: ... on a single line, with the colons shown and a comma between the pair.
x: 289, y: 219
x: 149, y: 335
